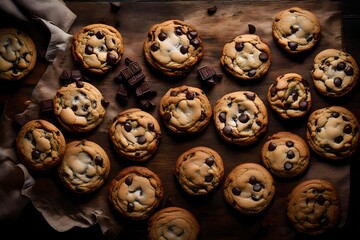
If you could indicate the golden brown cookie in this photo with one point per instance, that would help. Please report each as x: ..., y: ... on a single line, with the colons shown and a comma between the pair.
x: 334, y: 73
x: 173, y: 47
x: 173, y: 223
x: 18, y: 54
x: 135, y: 192
x: 40, y: 144
x: 249, y: 188
x: 246, y: 57
x: 240, y: 117
x: 85, y: 166
x: 290, y: 96
x: 135, y: 134
x: 313, y: 206
x: 98, y: 47
x: 79, y: 107
x: 199, y: 170
x: 296, y: 30
x: 285, y: 154
x: 333, y: 132
x: 185, y: 109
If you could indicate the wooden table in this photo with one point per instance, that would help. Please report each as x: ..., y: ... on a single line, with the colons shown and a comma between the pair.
x: 16, y: 97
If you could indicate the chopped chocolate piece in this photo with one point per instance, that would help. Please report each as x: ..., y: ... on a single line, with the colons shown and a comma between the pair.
x: 119, y: 78
x: 212, y: 10
x: 76, y: 74
x: 206, y: 73
x: 79, y: 84
x: 144, y: 91
x: 252, y: 28
x: 65, y: 77
x: 46, y: 105
x: 126, y: 73
x: 105, y: 103
x: 111, y: 58
x: 293, y: 46
x: 239, y: 46
x: 122, y: 94
x: 166, y: 116
x: 147, y: 104
x: 115, y: 6
x: 136, y: 79
x: 128, y: 61
x: 134, y: 67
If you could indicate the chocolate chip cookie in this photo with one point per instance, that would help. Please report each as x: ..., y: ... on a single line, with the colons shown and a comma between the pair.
x: 249, y: 188
x: 296, y: 30
x: 173, y: 223
x: 285, y: 154
x: 173, y: 47
x: 199, y: 170
x: 333, y: 132
x: 98, y: 47
x: 18, y: 54
x: 85, y: 166
x: 135, y: 192
x: 240, y: 117
x: 246, y: 57
x: 79, y: 107
x: 290, y: 96
x: 313, y: 206
x: 135, y: 134
x: 185, y: 110
x: 40, y: 144
x: 334, y: 73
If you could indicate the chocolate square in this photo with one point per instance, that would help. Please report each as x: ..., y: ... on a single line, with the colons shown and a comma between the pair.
x: 46, y: 105
x: 144, y: 91
x: 206, y: 73
x: 136, y: 79
x: 126, y: 72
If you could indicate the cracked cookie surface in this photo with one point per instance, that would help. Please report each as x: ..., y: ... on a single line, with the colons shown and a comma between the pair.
x: 135, y: 192
x: 98, y: 47
x: 313, y: 206
x: 135, y: 134
x: 84, y: 167
x: 246, y: 57
x: 18, y: 54
x: 173, y: 47
x: 185, y: 109
x: 240, y: 117
x: 40, y: 144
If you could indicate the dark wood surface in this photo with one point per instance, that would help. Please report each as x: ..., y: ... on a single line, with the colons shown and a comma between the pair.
x: 34, y: 225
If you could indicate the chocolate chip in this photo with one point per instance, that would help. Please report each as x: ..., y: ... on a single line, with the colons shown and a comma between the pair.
x: 295, y: 95
x: 209, y: 161
x: 236, y: 191
x: 335, y: 114
x: 146, y: 104
x: 347, y: 129
x: 288, y: 166
x: 46, y: 105
x: 338, y: 139
x: 162, y: 36
x: 289, y: 144
x: 35, y: 154
x: 349, y: 71
x: 252, y: 28
x: 222, y: 117
x: 128, y: 180
x: 192, y: 34
x: 252, y: 180
x: 98, y: 161
x: 141, y: 139
x: 212, y: 10
x: 209, y: 178
x: 320, y: 200
x: 195, y: 42
x: 89, y: 49
x: 337, y: 82
x: 100, y: 35
x: 155, y: 46
x: 293, y: 46
x: 273, y: 91
x: 111, y: 58
x: 243, y: 118
x: 104, y: 103
x: 250, y: 96
x: 303, y: 105
x: 184, y: 49
x: 251, y: 73
x: 227, y: 130
x: 74, y: 108
x: 173, y: 93
x: 290, y: 154
x: 79, y: 84
x: 239, y: 46
x: 130, y: 207
x: 190, y: 95
x: 115, y: 6
x: 340, y: 66
x: 263, y: 56
x: 257, y: 187
x: 166, y: 116
x: 127, y: 126
x: 271, y: 147
x: 178, y: 31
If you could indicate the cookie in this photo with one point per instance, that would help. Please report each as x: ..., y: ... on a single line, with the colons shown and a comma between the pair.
x: 85, y: 166
x: 334, y: 73
x: 173, y: 223
x: 290, y: 96
x: 296, y: 30
x: 135, y: 134
x: 249, y: 188
x: 98, y: 47
x: 246, y: 57
x: 285, y: 154
x: 173, y: 47
x: 18, y: 54
x: 79, y: 107
x: 313, y: 206
x: 40, y: 144
x: 240, y: 117
x: 199, y: 170
x: 135, y: 192
x: 185, y: 110
x: 333, y: 132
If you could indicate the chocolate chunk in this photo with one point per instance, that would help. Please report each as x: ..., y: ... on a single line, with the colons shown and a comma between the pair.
x: 227, y: 130
x: 65, y: 77
x: 212, y: 10
x: 222, y: 117
x: 79, y: 84
x: 263, y: 56
x: 288, y: 166
x: 209, y: 178
x: 130, y: 207
x: 293, y: 46
x: 115, y: 6
x: 141, y: 139
x: 100, y: 35
x: 273, y: 91
x: 147, y: 104
x: 35, y: 154
x: 239, y: 46
x: 162, y: 36
x: 173, y: 93
x: 128, y: 61
x: 195, y: 42
x: 303, y: 105
x: 349, y: 71
x: 192, y: 34
x: 76, y: 75
x: 122, y: 94
x: 151, y: 126
x: 178, y: 31
x: 98, y: 161
x: 206, y: 73
x: 338, y: 139
x: 190, y: 95
x: 144, y: 91
x: 340, y: 66
x: 46, y: 105
x: 271, y: 147
x: 257, y: 187
x: 321, y: 200
x: 134, y: 67
x: 236, y: 191
x: 252, y: 28
x: 184, y: 49
x: 209, y: 161
x: 126, y: 73
x: 290, y: 154
x: 136, y: 79
x: 252, y: 180
x: 89, y: 49
x: 104, y: 103
x: 347, y: 129
x: 128, y: 180
x: 111, y: 58
x: 337, y: 82
x: 243, y: 118
x: 251, y: 73
x: 250, y: 96
x: 166, y: 116
x: 155, y: 46
x: 289, y: 144
x: 335, y: 114
x: 74, y: 108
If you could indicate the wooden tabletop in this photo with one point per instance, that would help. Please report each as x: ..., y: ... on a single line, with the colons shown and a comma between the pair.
x: 14, y: 99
